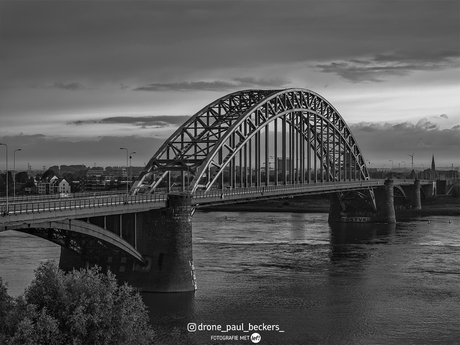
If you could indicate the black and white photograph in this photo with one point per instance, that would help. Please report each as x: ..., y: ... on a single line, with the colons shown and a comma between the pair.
x: 229, y: 172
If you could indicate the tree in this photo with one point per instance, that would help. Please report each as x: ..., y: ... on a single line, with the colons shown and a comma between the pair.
x: 80, y: 307
x: 48, y: 174
x: 22, y: 177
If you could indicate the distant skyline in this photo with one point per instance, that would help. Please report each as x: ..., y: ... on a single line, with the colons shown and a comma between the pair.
x: 80, y: 79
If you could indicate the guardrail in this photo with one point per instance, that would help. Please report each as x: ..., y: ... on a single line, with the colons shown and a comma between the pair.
x: 288, y: 189
x: 24, y: 198
x: 60, y: 204
x: 79, y: 203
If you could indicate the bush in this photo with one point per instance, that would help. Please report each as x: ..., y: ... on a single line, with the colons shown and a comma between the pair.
x: 81, y: 307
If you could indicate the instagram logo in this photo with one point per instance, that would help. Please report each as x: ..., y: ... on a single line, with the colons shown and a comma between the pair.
x: 191, y: 327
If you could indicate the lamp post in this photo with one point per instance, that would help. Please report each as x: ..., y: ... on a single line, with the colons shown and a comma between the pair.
x: 14, y: 172
x: 6, y: 148
x: 130, y: 157
x: 124, y: 148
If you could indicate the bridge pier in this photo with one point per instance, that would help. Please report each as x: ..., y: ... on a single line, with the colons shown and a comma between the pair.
x: 371, y: 206
x: 416, y: 197
x: 164, y: 238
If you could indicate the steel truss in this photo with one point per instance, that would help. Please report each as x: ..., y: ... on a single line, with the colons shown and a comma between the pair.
x: 256, y: 138
x: 89, y: 248
x: 85, y: 239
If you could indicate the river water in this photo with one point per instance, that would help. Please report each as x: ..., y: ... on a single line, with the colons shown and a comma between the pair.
x: 299, y: 279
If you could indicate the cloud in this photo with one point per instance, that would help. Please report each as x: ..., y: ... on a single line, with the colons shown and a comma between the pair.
x: 140, y: 40
x: 39, y: 150
x: 250, y: 81
x: 384, y: 141
x: 218, y: 85
x: 69, y: 86
x: 187, y: 86
x: 426, y: 125
x: 138, y: 121
x: 379, y: 142
x: 442, y: 116
x: 381, y: 66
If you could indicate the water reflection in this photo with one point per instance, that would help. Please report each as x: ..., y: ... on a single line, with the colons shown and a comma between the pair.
x: 168, y: 313
x: 347, y: 239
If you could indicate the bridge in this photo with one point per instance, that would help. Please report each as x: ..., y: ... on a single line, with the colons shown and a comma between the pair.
x: 248, y: 145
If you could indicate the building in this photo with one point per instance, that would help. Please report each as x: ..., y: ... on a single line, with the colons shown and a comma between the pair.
x: 54, y: 186
x: 61, y: 186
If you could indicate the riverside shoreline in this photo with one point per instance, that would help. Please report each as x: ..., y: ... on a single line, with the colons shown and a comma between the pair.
x: 438, y: 206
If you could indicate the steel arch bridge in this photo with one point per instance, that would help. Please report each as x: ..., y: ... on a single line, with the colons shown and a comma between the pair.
x: 256, y: 138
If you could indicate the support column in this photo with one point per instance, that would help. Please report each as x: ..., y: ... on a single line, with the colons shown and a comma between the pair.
x: 358, y: 207
x: 165, y: 239
x: 416, y: 199
x: 384, y: 199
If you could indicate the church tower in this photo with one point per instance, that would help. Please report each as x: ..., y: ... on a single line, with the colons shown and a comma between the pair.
x: 433, y: 169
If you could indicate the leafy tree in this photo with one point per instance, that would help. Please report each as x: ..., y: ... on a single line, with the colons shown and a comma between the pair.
x: 30, y: 182
x: 6, y: 304
x: 48, y: 174
x: 21, y: 177
x: 81, y: 307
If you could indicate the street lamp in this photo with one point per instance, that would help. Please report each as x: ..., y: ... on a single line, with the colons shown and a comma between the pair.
x: 124, y: 148
x: 130, y: 156
x: 6, y: 148
x: 404, y: 164
x: 14, y: 172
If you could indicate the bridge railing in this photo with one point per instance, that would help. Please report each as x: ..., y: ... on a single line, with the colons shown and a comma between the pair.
x: 122, y: 199
x: 79, y: 203
x: 284, y: 187
x: 41, y: 197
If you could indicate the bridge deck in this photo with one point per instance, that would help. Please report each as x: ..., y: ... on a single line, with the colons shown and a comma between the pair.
x: 73, y: 208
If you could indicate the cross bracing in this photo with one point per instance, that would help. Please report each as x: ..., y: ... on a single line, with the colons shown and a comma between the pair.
x: 257, y: 138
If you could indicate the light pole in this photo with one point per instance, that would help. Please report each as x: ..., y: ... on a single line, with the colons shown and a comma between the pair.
x: 404, y: 164
x: 130, y: 156
x: 14, y: 172
x: 6, y: 148
x: 124, y: 148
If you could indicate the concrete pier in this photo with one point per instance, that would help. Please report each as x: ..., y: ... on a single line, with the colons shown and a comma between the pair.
x: 416, y: 198
x: 163, y: 237
x: 356, y: 209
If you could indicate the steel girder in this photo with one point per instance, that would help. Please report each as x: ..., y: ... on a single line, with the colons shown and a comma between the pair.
x: 84, y: 238
x: 235, y: 135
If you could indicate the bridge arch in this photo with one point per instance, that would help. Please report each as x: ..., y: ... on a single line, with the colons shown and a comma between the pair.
x: 257, y: 138
x: 79, y: 236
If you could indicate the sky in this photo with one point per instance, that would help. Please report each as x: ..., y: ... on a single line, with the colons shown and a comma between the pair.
x: 80, y: 79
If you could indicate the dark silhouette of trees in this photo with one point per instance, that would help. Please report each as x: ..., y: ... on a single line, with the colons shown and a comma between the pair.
x: 22, y: 177
x: 48, y: 174
x: 80, y: 307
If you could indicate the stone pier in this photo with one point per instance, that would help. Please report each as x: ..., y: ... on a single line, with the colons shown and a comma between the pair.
x: 367, y: 206
x: 163, y: 237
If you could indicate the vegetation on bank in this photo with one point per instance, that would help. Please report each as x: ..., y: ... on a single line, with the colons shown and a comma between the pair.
x: 80, y: 307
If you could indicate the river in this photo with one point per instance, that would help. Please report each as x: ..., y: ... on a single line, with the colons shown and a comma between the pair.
x: 295, y: 279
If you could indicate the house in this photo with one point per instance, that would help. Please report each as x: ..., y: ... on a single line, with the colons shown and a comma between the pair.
x: 43, y: 187
x: 54, y: 186
x: 61, y: 186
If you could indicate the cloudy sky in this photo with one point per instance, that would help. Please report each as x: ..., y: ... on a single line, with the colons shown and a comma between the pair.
x: 81, y: 79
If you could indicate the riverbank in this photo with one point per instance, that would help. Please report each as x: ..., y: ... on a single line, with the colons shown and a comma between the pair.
x: 438, y: 206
